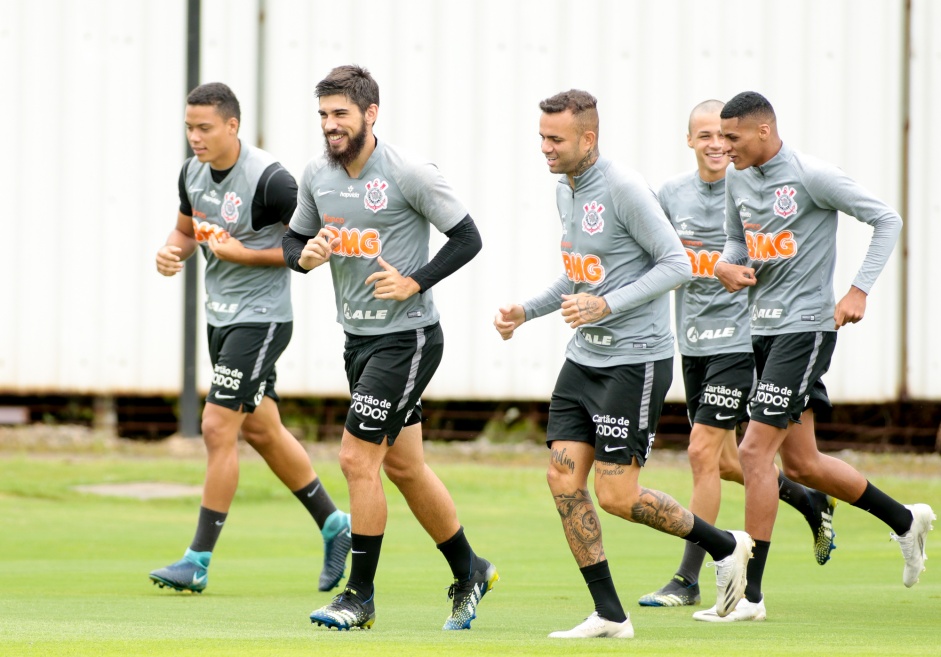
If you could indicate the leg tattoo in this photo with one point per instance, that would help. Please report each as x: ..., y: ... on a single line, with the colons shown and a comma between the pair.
x: 660, y: 511
x: 581, y: 526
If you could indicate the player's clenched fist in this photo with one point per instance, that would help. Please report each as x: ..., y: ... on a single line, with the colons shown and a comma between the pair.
x: 318, y: 249
x: 169, y: 261
x: 507, y: 319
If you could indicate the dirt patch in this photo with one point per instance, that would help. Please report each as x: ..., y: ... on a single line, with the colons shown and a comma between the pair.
x: 142, y: 490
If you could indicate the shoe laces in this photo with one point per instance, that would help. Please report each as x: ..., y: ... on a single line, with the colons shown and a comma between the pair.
x: 722, y: 573
x: 907, y: 542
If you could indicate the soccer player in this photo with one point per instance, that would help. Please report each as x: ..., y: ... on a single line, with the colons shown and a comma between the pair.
x: 367, y: 209
x: 712, y: 329
x: 781, y: 219
x: 234, y: 203
x: 621, y: 257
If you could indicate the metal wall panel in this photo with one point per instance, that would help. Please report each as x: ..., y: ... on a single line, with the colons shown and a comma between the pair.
x: 924, y: 317
x: 460, y: 84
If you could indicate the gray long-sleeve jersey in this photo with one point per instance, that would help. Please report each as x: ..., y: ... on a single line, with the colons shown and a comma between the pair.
x: 616, y: 243
x: 709, y: 320
x: 781, y: 218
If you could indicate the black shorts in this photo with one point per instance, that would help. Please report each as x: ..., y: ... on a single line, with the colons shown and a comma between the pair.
x: 387, y: 376
x: 243, y: 358
x: 718, y: 388
x: 616, y: 409
x: 789, y: 368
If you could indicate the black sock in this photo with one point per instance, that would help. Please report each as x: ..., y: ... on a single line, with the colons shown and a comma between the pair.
x: 317, y: 501
x: 365, y: 552
x: 717, y: 542
x: 208, y: 528
x: 756, y: 570
x: 892, y: 513
x: 693, y: 556
x: 601, y: 586
x: 459, y: 554
x: 796, y: 495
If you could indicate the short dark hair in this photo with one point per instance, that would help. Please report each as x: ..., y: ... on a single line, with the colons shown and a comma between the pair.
x: 748, y: 104
x: 218, y: 95
x: 582, y: 105
x: 352, y: 81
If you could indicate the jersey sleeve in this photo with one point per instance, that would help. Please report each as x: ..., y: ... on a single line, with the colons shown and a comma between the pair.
x: 275, y: 197
x: 426, y: 190
x: 735, y: 251
x: 306, y: 218
x: 186, y: 207
x: 637, y: 208
x: 549, y: 300
x: 830, y: 188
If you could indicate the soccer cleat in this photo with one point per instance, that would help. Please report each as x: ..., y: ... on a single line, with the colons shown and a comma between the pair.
x: 468, y: 594
x: 336, y: 547
x: 346, y: 611
x: 913, y: 541
x: 673, y: 594
x: 188, y: 574
x: 596, y: 627
x: 821, y: 524
x: 730, y: 573
x: 744, y: 611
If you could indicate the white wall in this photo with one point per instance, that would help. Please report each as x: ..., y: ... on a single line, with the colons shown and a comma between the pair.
x: 98, y: 107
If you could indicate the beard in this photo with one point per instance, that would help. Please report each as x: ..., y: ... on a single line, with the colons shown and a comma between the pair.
x: 342, y: 159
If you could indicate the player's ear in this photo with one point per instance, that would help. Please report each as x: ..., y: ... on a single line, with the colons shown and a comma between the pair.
x: 371, y: 114
x: 589, y: 139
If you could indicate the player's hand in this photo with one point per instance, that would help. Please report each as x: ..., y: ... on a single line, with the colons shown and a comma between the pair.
x: 390, y: 284
x: 508, y: 319
x: 225, y: 247
x: 581, y: 309
x: 735, y: 277
x: 318, y: 249
x: 851, y: 308
x: 169, y: 261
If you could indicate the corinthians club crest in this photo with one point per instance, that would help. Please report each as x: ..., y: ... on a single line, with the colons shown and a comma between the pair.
x: 376, y: 198
x: 230, y: 207
x: 784, y: 203
x: 592, y: 222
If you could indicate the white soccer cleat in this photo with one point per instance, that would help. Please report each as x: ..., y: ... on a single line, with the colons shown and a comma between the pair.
x: 913, y: 541
x: 731, y: 573
x: 596, y: 627
x: 744, y: 611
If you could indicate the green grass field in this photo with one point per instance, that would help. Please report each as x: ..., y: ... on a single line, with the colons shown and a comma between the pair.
x: 73, y: 569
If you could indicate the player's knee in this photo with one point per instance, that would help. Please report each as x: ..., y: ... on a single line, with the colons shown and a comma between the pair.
x: 400, y: 473
x: 702, y: 458
x: 801, y: 473
x: 617, y: 502
x: 559, y: 478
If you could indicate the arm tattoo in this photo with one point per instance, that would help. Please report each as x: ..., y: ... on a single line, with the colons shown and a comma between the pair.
x: 660, y: 511
x: 581, y: 526
x: 590, y: 308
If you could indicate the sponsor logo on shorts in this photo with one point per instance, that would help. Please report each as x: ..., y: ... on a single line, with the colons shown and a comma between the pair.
x: 609, y: 426
x: 593, y: 222
x: 230, y: 379
x: 721, y: 396
x: 369, y: 407
x: 723, y: 418
x: 773, y: 396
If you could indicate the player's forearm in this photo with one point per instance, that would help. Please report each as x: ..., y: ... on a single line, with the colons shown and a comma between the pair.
x: 549, y: 300
x: 273, y: 257
x: 292, y: 246
x: 186, y: 244
x: 668, y: 274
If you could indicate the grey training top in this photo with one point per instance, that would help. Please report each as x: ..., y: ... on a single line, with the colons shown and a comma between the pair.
x: 781, y: 218
x: 709, y: 320
x: 387, y: 211
x: 616, y: 243
x: 238, y: 294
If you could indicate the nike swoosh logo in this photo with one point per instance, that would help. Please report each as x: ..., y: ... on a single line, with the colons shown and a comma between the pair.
x: 218, y: 396
x: 358, y: 552
x: 313, y: 492
x: 329, y: 191
x: 767, y: 412
x: 219, y: 523
x: 719, y: 416
x: 199, y: 580
x: 608, y: 448
x: 365, y: 428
